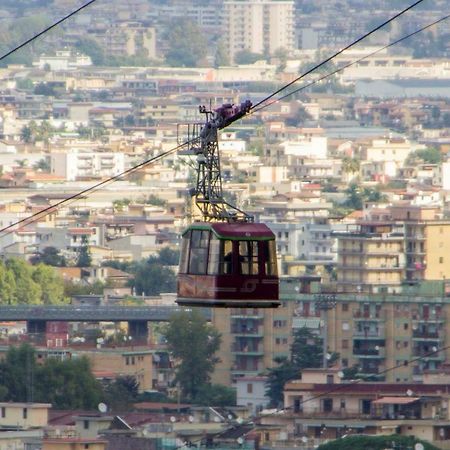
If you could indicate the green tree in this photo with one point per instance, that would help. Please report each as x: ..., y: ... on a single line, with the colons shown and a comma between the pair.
x: 350, y: 165
x: 193, y: 343
x: 221, y: 57
x: 375, y: 443
x: 67, y: 384
x: 44, y: 89
x: 51, y: 284
x: 50, y: 256
x: 93, y: 49
x: 168, y: 257
x: 216, y: 395
x: 84, y: 258
x: 247, y: 57
x: 305, y: 352
x: 430, y: 155
x: 43, y: 164
x: 27, y: 290
x: 187, y: 44
x: 7, y: 285
x: 121, y: 393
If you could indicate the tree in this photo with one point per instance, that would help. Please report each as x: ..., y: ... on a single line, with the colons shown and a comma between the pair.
x: 67, y: 384
x: 375, y: 443
x: 187, y: 44
x: 168, y: 257
x: 122, y: 393
x: 51, y: 284
x: 247, y: 57
x: 306, y: 352
x: 221, y: 57
x: 26, y: 289
x: 216, y: 395
x: 43, y: 164
x: 84, y: 253
x: 278, y: 377
x: 429, y: 155
x: 93, y: 49
x: 50, y: 256
x: 193, y: 343
x: 44, y: 89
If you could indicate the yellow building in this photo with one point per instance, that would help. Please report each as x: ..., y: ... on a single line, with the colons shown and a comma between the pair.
x: 24, y: 415
x: 73, y: 444
x: 113, y: 363
x: 371, y: 258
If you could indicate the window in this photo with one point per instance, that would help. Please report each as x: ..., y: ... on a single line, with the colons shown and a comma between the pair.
x: 344, y: 307
x: 214, y: 255
x: 441, y: 260
x: 344, y: 343
x: 342, y: 403
x: 249, y: 388
x: 248, y: 257
x: 3, y: 411
x: 86, y: 424
x: 25, y: 413
x: 198, y: 255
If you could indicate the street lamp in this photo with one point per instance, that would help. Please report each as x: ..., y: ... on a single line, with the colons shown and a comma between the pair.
x: 325, y: 302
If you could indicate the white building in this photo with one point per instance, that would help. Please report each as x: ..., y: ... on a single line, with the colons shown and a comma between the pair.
x: 315, y: 147
x: 251, y: 392
x: 63, y: 60
x: 74, y: 165
x: 258, y: 26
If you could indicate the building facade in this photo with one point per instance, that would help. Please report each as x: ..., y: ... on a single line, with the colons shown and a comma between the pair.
x: 258, y: 26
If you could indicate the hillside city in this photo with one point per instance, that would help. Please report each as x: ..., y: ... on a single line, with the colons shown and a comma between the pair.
x: 349, y: 167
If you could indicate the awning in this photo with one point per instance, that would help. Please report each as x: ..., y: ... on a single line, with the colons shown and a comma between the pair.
x: 395, y: 400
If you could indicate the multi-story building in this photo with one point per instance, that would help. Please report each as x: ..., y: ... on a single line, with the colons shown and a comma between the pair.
x: 77, y: 164
x: 389, y: 337
x: 371, y: 258
x: 258, y: 26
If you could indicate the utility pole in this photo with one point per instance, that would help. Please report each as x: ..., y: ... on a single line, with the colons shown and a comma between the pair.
x: 325, y: 302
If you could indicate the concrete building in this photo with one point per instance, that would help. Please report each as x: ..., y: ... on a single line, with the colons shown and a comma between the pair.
x: 371, y: 258
x: 251, y: 392
x: 258, y: 26
x: 321, y: 406
x: 74, y: 165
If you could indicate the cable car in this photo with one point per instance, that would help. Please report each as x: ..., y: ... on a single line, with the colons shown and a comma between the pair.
x: 229, y: 265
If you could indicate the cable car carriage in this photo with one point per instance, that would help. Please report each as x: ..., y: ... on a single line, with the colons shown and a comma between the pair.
x: 226, y: 260
x: 228, y: 265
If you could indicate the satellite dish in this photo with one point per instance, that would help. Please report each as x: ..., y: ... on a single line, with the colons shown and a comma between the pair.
x: 230, y: 417
x: 240, y: 441
x: 100, y: 340
x: 409, y: 392
x: 216, y: 419
x: 419, y: 446
x: 239, y: 420
x: 173, y: 419
x: 191, y: 418
x: 144, y: 432
x: 304, y: 439
x: 102, y: 407
x: 341, y: 374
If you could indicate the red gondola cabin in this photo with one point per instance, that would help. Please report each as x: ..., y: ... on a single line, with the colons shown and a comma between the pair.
x: 228, y: 265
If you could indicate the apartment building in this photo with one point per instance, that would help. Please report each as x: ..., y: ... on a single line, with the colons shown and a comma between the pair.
x: 258, y: 26
x: 75, y: 165
x: 371, y: 258
x: 322, y: 406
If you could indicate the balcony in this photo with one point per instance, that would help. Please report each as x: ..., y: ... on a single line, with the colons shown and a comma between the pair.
x: 245, y: 350
x: 422, y: 335
x: 428, y: 355
x: 369, y: 334
x: 369, y: 353
x: 252, y: 333
x: 368, y: 316
x: 246, y: 313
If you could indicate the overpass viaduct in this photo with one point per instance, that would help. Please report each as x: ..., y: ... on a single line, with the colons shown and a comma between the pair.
x: 137, y: 317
